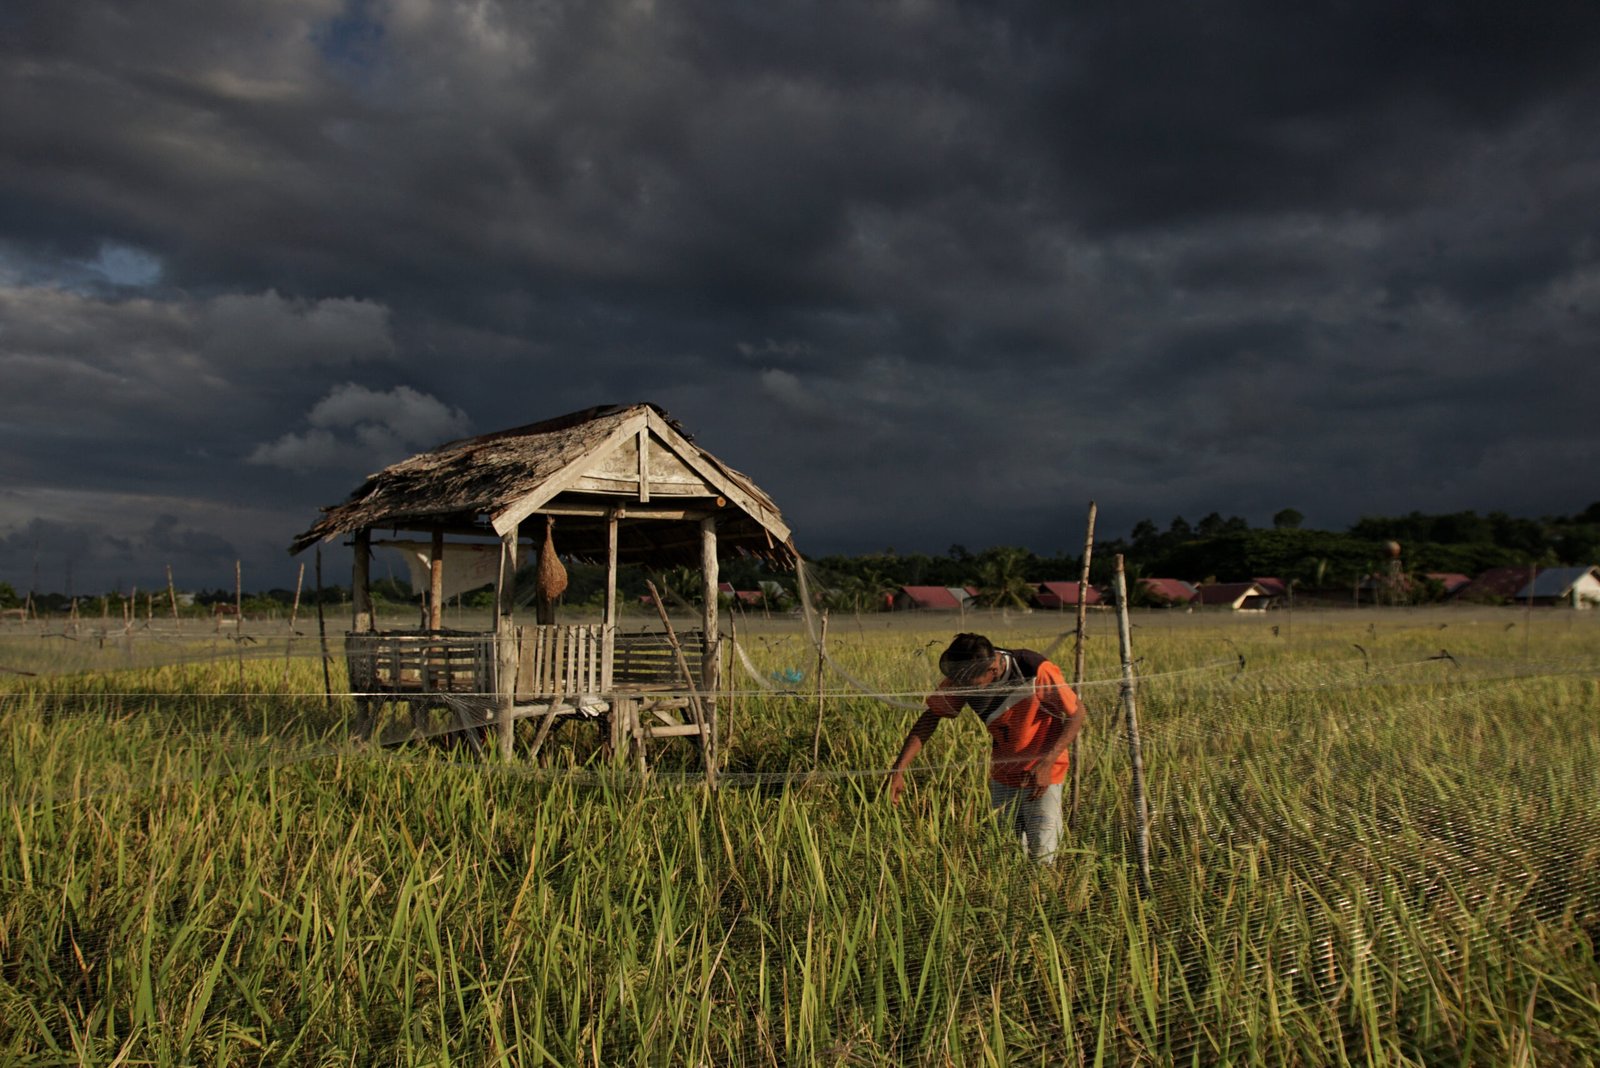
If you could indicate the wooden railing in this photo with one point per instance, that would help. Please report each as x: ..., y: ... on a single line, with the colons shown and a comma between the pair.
x: 646, y: 660
x: 551, y: 659
x: 560, y: 658
x: 419, y: 661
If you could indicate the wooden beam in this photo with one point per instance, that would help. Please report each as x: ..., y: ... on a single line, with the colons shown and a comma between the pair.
x: 690, y: 455
x: 674, y: 730
x: 632, y: 510
x: 644, y: 464
x: 512, y: 516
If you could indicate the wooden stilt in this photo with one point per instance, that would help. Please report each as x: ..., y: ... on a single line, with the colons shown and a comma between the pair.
x: 436, y: 581
x: 608, y: 649
x: 361, y: 584
x: 505, y: 644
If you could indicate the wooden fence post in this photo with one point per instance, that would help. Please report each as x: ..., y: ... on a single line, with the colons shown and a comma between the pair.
x: 172, y: 595
x: 1130, y: 710
x: 822, y: 662
x: 1078, y: 662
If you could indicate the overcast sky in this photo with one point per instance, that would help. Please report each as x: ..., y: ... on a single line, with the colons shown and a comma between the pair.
x: 929, y: 272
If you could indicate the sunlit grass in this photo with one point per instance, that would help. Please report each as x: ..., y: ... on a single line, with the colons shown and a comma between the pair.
x: 1361, y: 855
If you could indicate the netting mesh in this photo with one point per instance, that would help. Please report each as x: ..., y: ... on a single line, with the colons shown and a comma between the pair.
x: 1374, y: 838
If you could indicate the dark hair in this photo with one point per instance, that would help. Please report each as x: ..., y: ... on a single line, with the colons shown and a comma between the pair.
x: 966, y: 657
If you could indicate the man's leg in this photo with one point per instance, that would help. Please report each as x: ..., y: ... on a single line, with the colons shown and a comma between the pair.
x: 1041, y: 823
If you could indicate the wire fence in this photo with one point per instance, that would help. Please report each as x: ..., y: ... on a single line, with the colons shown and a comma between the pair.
x: 1371, y: 846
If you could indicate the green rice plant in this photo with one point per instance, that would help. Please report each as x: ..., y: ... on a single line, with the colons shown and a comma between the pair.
x: 1374, y: 856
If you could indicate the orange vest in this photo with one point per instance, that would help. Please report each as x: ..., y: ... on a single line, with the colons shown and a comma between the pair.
x: 1025, y: 711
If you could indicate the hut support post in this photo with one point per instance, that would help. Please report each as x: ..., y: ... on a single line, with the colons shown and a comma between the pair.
x: 436, y: 581
x: 505, y: 646
x: 361, y: 583
x: 608, y: 647
x: 620, y: 718
x: 710, y: 668
x: 367, y: 707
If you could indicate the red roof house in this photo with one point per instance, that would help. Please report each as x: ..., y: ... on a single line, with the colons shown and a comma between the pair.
x: 1231, y: 594
x: 932, y: 598
x: 1452, y: 581
x: 1496, y: 585
x: 1058, y: 595
x: 1174, y: 591
x: 749, y: 598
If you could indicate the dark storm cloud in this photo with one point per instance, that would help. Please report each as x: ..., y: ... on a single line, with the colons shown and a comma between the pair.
x: 930, y: 272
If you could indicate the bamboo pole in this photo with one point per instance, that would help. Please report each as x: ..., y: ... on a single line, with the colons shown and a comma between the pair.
x: 1527, y: 612
x: 1078, y: 657
x: 294, y: 609
x: 608, y: 650
x: 322, y: 637
x: 238, y: 617
x: 172, y: 595
x: 822, y: 663
x: 734, y: 705
x: 549, y: 720
x: 505, y: 644
x: 711, y: 665
x: 695, y: 707
x: 1131, y: 712
x: 294, y: 612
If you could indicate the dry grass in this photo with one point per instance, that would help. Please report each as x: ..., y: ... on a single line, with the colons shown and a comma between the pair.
x: 1361, y: 856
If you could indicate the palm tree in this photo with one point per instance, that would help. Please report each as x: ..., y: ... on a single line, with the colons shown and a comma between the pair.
x: 679, y: 586
x: 1000, y: 580
x: 878, y: 587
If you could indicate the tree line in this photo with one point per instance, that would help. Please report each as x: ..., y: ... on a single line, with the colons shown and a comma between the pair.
x: 1212, y: 549
x: 1218, y: 549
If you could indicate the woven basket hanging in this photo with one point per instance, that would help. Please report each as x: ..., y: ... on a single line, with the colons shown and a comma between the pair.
x: 550, y: 581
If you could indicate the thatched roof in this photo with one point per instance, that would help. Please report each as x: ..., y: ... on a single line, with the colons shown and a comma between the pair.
x: 576, y: 467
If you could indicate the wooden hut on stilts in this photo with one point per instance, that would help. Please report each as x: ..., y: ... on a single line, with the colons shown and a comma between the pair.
x: 613, y: 485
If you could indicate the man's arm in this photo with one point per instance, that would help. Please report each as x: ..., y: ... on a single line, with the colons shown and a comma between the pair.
x: 1060, y: 701
x: 920, y: 732
x: 1043, y: 769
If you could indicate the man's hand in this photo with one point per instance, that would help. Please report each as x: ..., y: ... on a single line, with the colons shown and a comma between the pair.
x: 897, y: 785
x: 1039, y: 779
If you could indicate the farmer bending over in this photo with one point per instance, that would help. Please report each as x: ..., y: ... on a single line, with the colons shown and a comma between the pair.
x: 1032, y: 716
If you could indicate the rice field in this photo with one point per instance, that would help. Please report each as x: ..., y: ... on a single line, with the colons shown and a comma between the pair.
x: 1375, y: 840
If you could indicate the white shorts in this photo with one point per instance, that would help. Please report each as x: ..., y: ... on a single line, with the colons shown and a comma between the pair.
x: 1037, y: 821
